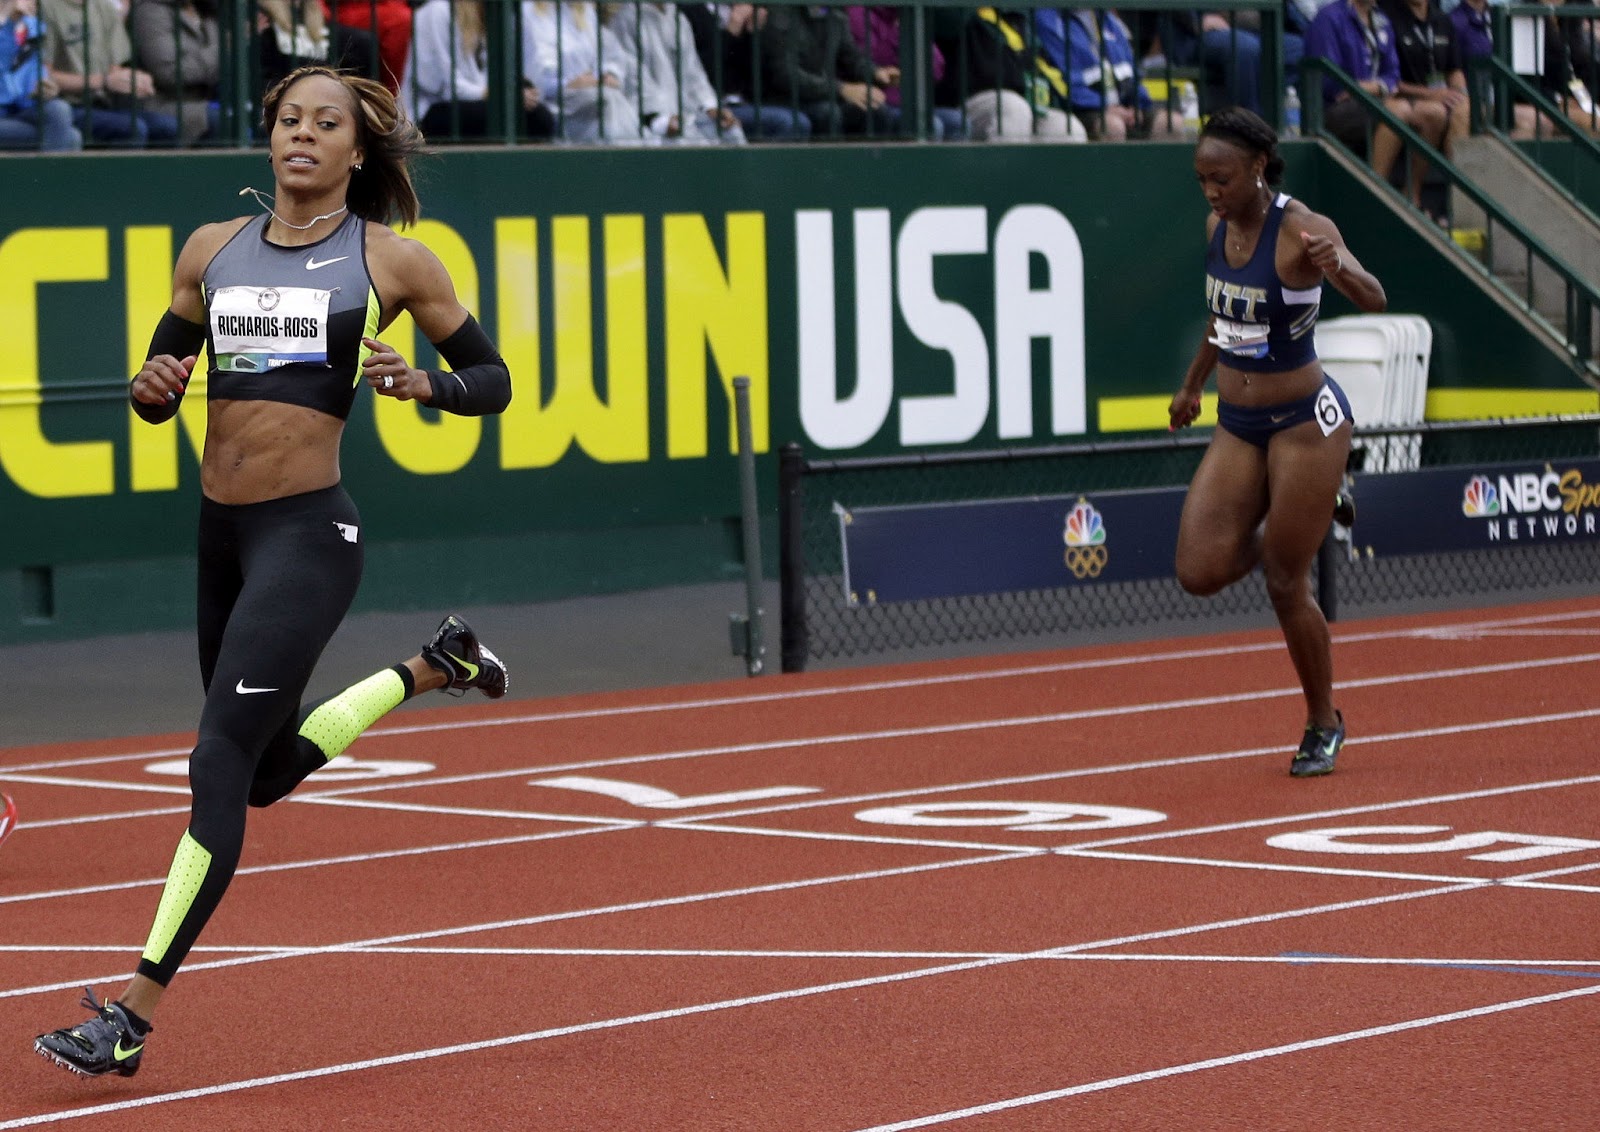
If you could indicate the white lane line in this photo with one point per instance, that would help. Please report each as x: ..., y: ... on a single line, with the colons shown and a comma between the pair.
x: 872, y: 736
x: 1322, y: 870
x: 321, y: 862
x: 859, y: 838
x: 787, y: 995
x: 1343, y: 811
x: 1232, y: 1059
x: 1182, y: 760
x: 464, y: 811
x: 92, y: 783
x: 493, y: 1043
x: 89, y: 819
x: 545, y: 918
x: 871, y: 686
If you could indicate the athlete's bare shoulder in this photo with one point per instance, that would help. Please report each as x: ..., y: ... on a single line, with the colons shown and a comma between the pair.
x: 404, y: 270
x: 211, y: 237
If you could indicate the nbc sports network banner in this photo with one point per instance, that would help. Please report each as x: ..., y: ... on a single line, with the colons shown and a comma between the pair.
x: 1468, y: 507
x: 937, y: 550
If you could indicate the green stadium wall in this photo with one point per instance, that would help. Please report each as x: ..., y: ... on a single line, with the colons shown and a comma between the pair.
x: 995, y: 295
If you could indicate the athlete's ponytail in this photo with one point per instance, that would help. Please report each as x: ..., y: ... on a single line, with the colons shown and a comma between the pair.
x: 380, y: 189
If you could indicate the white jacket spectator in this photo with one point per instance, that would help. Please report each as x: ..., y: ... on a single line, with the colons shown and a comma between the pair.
x: 448, y: 60
x: 677, y: 97
x: 581, y: 71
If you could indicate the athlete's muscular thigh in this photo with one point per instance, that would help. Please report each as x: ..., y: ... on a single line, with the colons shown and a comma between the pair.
x: 1304, y: 469
x: 300, y: 578
x: 1226, y: 501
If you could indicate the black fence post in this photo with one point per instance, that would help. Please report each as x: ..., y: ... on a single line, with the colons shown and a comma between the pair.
x: 793, y: 638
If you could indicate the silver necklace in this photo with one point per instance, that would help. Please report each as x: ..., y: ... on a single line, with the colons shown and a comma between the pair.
x: 262, y: 198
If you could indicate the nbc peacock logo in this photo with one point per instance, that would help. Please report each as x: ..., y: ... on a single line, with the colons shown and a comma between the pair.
x: 1480, y: 500
x: 1085, y: 536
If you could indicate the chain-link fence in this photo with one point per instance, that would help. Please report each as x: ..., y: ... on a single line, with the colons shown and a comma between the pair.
x: 820, y: 622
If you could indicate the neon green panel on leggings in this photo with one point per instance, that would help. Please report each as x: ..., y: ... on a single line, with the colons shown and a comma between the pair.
x: 338, y: 722
x: 189, y: 867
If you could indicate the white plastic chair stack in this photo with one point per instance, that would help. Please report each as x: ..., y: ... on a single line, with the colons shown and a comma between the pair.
x: 1381, y: 362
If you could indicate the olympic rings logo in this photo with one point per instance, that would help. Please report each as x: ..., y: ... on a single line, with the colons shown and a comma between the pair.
x: 1086, y: 561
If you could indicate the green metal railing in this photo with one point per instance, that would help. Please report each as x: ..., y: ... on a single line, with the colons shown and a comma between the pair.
x: 1581, y: 299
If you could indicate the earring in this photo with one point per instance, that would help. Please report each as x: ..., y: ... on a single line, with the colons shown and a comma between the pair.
x: 357, y: 169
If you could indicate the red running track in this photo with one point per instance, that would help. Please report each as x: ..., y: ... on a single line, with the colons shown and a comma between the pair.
x: 1074, y: 889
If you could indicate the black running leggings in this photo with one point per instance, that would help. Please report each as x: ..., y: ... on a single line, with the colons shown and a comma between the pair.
x: 275, y: 580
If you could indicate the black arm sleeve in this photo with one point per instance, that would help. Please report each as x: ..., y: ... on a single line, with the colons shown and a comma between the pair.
x: 478, y: 381
x: 176, y: 336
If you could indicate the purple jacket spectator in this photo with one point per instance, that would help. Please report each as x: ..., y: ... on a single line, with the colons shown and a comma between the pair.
x: 1339, y: 35
x: 884, y: 26
x: 1473, y: 33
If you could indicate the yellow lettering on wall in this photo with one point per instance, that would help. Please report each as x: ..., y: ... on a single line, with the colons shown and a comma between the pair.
x: 35, y: 463
x: 725, y: 310
x: 616, y: 429
x: 153, y: 449
x: 415, y: 443
x: 529, y: 438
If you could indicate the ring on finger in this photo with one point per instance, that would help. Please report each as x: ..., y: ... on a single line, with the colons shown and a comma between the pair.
x: 388, y: 381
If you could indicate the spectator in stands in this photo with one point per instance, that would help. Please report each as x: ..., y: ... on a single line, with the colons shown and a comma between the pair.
x: 581, y: 72
x: 446, y: 85
x: 31, y: 115
x: 677, y: 100
x: 179, y: 44
x: 876, y: 31
x: 1432, y: 79
x: 1475, y: 37
x: 295, y: 33
x: 810, y: 59
x: 88, y: 54
x: 1094, y: 50
x: 1569, y: 64
x: 387, y: 21
x: 1007, y: 91
x: 1227, y: 45
x: 726, y: 37
x: 1359, y: 40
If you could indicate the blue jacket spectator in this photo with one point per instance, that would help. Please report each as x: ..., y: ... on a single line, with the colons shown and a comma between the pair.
x: 31, y: 117
x: 1094, y: 50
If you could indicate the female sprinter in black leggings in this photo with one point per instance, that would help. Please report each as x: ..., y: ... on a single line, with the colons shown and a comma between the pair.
x: 1266, y: 488
x: 290, y: 305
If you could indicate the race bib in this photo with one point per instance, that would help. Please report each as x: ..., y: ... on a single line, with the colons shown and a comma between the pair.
x: 1328, y: 412
x: 254, y: 329
x: 1241, y: 339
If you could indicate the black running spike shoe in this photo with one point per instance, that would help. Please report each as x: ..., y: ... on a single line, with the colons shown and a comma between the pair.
x: 1318, y: 749
x: 107, y: 1043
x: 1344, y: 508
x: 456, y: 651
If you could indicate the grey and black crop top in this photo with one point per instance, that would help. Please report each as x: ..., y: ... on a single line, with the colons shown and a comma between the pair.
x: 285, y: 324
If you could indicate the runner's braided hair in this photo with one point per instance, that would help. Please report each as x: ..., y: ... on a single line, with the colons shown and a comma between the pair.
x: 380, y: 190
x: 1250, y: 132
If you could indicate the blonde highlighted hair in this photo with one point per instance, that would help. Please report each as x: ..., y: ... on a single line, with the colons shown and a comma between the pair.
x: 380, y: 190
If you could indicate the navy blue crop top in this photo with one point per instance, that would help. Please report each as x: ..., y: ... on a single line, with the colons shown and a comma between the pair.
x: 1261, y: 326
x: 285, y: 324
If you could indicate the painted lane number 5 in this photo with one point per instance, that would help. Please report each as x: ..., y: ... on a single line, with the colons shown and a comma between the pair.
x: 1370, y: 839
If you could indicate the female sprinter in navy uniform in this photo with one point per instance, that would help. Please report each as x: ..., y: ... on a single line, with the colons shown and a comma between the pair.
x: 1265, y: 490
x: 290, y: 305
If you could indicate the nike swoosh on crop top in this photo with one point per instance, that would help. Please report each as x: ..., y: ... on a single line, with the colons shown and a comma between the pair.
x: 1260, y: 325
x: 285, y: 324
